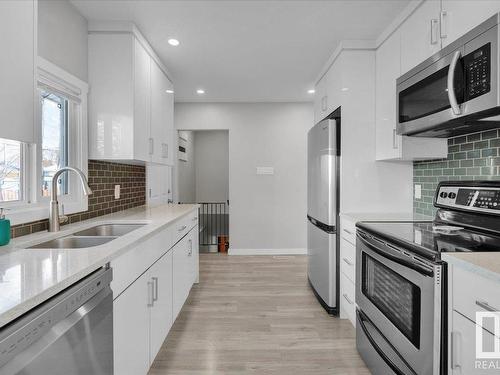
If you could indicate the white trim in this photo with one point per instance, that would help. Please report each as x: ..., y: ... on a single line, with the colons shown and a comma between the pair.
x: 293, y: 251
x: 398, y: 21
x: 345, y: 45
x: 127, y: 27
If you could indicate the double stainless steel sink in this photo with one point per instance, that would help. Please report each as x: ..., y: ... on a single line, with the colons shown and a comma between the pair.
x: 94, y: 236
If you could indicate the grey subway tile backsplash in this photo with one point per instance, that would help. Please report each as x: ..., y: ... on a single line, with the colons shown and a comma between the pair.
x: 103, y: 176
x: 473, y: 156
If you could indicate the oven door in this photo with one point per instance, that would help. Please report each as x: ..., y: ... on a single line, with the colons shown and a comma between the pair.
x: 401, y: 299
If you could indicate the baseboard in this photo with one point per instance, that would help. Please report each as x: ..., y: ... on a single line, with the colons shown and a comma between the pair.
x: 297, y: 251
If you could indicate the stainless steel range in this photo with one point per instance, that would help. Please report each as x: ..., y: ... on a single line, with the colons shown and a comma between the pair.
x: 401, y: 280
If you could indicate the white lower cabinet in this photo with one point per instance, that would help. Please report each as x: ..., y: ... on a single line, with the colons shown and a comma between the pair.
x: 161, y: 284
x: 131, y: 329
x: 146, y: 308
x: 348, y: 270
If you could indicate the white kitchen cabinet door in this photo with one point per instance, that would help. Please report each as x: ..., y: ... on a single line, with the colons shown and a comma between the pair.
x: 420, y: 35
x: 320, y: 100
x: 142, y: 103
x: 161, y: 311
x: 194, y: 255
x: 131, y: 316
x: 388, y: 69
x: 182, y: 275
x: 334, y: 87
x: 463, y: 347
x: 461, y: 16
x: 17, y: 69
x: 158, y: 116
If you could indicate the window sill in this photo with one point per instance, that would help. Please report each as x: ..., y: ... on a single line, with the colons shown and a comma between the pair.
x: 40, y: 211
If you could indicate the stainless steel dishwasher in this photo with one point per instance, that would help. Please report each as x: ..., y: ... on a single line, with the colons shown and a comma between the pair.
x: 70, y: 334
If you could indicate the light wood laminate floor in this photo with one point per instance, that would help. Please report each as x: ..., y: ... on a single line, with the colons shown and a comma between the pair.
x: 256, y: 315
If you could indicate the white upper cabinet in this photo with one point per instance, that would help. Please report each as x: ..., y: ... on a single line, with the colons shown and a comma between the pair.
x: 320, y: 100
x: 458, y: 16
x: 390, y: 145
x: 130, y: 110
x: 420, y: 35
x: 17, y: 69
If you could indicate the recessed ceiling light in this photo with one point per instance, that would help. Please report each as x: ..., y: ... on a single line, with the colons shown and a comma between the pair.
x: 200, y: 91
x: 169, y: 91
x: 311, y: 91
x: 173, y: 42
x: 345, y: 88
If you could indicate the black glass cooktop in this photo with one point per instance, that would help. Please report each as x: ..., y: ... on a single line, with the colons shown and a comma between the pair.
x: 430, y: 239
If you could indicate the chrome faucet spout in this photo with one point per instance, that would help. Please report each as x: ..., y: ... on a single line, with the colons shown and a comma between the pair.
x: 54, y: 224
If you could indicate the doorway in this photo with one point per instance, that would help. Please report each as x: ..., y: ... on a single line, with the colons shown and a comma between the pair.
x: 203, y: 178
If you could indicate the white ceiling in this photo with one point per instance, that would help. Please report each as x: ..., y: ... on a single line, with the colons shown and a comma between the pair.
x: 247, y: 50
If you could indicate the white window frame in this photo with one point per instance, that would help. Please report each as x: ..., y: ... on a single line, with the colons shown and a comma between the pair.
x: 34, y: 206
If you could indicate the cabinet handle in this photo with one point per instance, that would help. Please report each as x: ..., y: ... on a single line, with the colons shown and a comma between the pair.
x: 347, y: 299
x: 151, y: 146
x: 456, y: 341
x: 443, y: 24
x: 182, y: 228
x: 190, y: 252
x: 348, y: 231
x: 434, y: 31
x: 195, y: 218
x: 164, y: 148
x: 349, y: 263
x: 151, y: 300
x: 155, y: 289
x: 394, y: 139
x: 324, y: 103
x: 486, y: 306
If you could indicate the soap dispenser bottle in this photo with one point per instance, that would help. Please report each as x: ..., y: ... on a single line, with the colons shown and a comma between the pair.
x: 4, y: 228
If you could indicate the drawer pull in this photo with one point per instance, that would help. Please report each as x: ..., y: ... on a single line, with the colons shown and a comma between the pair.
x: 486, y: 306
x: 348, y: 232
x: 347, y: 299
x: 349, y: 263
x: 182, y: 228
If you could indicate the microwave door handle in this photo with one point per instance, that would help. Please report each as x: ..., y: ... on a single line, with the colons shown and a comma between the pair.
x: 451, y: 84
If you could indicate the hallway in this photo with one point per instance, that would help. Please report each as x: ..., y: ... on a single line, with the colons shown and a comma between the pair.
x: 256, y: 315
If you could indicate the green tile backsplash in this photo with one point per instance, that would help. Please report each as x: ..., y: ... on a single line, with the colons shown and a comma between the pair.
x: 473, y: 156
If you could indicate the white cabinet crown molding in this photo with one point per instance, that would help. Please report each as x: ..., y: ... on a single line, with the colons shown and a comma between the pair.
x: 127, y: 27
x: 345, y: 45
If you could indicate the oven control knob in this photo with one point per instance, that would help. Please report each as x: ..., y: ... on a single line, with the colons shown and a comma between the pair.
x: 452, y: 195
x: 443, y: 194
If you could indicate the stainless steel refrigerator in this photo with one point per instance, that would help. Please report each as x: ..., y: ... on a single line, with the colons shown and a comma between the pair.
x: 322, y: 211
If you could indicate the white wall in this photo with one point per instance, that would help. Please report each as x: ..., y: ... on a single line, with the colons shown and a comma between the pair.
x: 212, y: 165
x: 62, y: 36
x: 267, y: 213
x: 186, y: 173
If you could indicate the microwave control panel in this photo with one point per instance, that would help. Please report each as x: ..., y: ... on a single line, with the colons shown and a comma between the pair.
x: 472, y: 199
x: 477, y: 65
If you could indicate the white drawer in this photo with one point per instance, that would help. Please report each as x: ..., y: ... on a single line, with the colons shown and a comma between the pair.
x: 347, y: 299
x: 348, y: 259
x: 348, y: 231
x: 181, y: 227
x: 472, y: 293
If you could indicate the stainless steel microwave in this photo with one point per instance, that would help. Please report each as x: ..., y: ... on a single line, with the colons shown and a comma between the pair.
x: 456, y: 91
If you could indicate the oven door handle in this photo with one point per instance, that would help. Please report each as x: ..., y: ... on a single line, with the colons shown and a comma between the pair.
x: 395, y: 258
x: 451, y: 84
x: 362, y: 320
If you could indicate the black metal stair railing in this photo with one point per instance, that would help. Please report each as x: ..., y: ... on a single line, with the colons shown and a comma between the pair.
x: 214, y: 223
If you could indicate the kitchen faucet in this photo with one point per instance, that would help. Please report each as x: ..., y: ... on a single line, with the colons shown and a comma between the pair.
x: 54, y: 224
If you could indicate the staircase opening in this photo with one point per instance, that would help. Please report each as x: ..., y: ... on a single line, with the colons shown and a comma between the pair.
x: 203, y: 178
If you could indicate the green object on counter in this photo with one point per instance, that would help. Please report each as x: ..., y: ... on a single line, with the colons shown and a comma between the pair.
x: 4, y: 228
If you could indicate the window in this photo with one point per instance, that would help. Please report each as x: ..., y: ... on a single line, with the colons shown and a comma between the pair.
x: 54, y: 123
x: 11, y: 170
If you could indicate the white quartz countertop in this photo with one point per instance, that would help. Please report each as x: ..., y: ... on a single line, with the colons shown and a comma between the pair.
x: 384, y: 216
x: 29, y: 277
x: 485, y: 264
